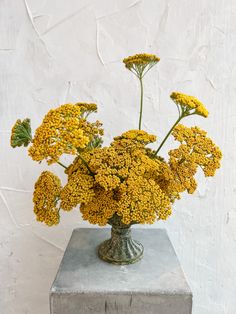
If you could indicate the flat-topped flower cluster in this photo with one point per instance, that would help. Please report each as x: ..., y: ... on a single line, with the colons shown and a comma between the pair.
x: 127, y: 178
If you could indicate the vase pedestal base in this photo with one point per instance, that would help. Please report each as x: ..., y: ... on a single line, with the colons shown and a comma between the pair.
x: 121, y: 248
x: 130, y: 255
x: 85, y: 284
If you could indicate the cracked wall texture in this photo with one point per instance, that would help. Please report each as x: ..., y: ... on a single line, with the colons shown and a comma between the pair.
x: 58, y: 51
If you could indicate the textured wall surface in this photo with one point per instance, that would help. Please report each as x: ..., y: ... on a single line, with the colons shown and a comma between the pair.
x: 58, y: 51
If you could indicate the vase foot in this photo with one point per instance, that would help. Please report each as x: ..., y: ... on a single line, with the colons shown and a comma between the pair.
x: 120, y: 252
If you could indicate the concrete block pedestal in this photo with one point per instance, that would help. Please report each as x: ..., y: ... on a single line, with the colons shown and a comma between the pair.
x: 86, y: 285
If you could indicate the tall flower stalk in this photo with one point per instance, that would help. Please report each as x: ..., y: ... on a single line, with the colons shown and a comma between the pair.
x: 141, y: 104
x: 139, y: 65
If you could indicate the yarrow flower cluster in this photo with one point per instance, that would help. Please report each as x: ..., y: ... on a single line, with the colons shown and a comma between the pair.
x: 46, y: 195
x: 64, y: 130
x: 127, y: 179
x: 123, y: 183
x: 189, y: 104
x: 140, y: 63
x: 196, y: 148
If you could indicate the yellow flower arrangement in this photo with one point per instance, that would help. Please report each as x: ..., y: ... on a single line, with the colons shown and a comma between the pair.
x: 127, y: 178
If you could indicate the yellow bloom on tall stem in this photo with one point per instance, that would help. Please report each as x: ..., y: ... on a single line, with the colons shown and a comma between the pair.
x: 140, y: 64
x: 189, y: 104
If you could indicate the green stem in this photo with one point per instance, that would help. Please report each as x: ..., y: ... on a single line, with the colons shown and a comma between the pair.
x: 167, y: 135
x: 141, y: 103
x: 59, y: 163
x: 86, y: 165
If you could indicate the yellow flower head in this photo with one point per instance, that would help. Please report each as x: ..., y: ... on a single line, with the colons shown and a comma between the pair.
x: 188, y: 103
x: 140, y: 63
x: 87, y: 108
x: 101, y: 208
x: 140, y: 59
x: 64, y: 130
x: 79, y: 189
x: 46, y: 195
x: 142, y: 200
x: 137, y: 136
x: 124, y: 182
x: 196, y: 149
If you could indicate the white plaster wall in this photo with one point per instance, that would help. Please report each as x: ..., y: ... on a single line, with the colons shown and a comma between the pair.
x: 53, y: 52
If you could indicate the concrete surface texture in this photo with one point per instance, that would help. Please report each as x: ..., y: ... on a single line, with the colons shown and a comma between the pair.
x: 58, y: 51
x: 86, y: 285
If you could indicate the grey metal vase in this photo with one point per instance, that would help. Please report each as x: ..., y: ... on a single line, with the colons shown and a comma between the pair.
x: 120, y: 249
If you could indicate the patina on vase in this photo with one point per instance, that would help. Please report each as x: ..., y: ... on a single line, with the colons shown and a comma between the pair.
x: 120, y: 249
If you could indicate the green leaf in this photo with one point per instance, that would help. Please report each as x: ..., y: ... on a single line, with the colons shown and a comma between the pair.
x: 95, y: 142
x: 21, y: 133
